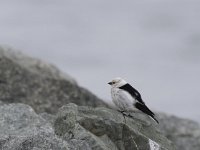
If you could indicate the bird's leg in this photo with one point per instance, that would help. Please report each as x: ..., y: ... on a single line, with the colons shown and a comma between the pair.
x: 132, y: 117
x: 124, y: 117
x: 122, y: 112
x: 129, y: 115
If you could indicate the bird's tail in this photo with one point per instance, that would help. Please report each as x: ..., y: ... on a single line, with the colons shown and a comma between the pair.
x: 146, y: 110
x: 153, y: 117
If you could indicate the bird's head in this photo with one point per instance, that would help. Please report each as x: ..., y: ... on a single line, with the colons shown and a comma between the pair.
x: 117, y: 82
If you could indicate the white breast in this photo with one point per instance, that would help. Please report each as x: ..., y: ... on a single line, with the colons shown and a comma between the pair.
x: 122, y: 99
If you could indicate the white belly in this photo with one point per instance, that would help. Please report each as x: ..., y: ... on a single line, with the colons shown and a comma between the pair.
x: 122, y: 99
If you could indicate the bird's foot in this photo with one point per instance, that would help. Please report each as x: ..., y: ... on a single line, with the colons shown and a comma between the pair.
x: 124, y: 114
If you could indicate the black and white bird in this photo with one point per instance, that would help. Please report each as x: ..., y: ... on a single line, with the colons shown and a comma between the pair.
x: 128, y: 99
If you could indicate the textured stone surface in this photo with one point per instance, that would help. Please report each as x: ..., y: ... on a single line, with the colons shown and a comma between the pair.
x: 38, y: 84
x: 22, y: 129
x: 184, y: 133
x: 76, y: 128
x: 105, y: 129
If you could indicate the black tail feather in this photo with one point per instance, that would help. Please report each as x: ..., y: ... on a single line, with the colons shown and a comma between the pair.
x: 153, y: 117
x: 146, y: 110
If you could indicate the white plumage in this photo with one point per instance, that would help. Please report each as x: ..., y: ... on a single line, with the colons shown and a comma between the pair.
x: 122, y: 99
x: 127, y: 99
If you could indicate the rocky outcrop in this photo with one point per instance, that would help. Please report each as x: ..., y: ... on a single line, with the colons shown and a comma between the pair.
x: 38, y: 84
x: 184, y: 133
x: 22, y: 129
x: 76, y: 128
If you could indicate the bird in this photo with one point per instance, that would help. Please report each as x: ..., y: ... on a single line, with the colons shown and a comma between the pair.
x: 127, y: 99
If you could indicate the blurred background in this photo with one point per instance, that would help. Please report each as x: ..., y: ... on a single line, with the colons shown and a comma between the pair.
x: 153, y: 44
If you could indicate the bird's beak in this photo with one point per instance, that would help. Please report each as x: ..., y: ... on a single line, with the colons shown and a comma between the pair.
x: 110, y: 83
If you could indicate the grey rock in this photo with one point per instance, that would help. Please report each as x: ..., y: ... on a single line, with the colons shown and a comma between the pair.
x: 105, y: 129
x: 38, y: 84
x: 1, y: 103
x: 184, y: 133
x: 22, y: 129
x: 48, y: 117
x: 42, y: 86
x: 76, y: 128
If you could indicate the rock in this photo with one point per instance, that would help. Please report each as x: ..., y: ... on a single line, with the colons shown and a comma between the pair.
x: 105, y: 129
x: 38, y: 84
x: 184, y: 133
x: 76, y: 128
x: 48, y: 117
x: 1, y: 103
x: 22, y: 129
x: 43, y: 87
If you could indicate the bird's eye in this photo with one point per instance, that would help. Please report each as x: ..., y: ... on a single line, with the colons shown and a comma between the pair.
x: 113, y: 82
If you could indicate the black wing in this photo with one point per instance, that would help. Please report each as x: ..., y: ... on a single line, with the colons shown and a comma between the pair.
x: 127, y: 87
x: 146, y: 110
